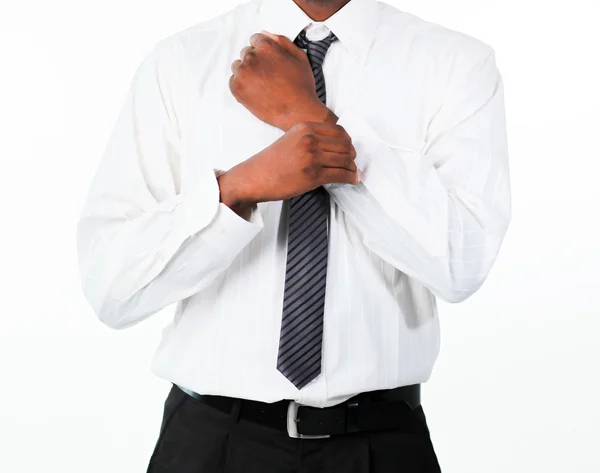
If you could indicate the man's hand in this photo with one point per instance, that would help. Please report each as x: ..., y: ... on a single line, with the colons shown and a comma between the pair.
x: 306, y: 157
x: 273, y: 80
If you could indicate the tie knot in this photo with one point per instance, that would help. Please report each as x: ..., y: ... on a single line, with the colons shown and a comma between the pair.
x: 315, y: 50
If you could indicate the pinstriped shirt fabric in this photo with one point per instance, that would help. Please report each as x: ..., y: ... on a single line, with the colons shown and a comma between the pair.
x: 299, y: 358
x: 424, y: 107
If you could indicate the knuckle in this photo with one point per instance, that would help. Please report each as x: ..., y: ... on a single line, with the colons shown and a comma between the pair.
x: 264, y: 41
x: 311, y: 171
x: 243, y: 65
x: 341, y: 130
x: 314, y: 157
x: 258, y: 40
x: 309, y: 140
x: 304, y: 127
x: 250, y: 57
x: 236, y: 85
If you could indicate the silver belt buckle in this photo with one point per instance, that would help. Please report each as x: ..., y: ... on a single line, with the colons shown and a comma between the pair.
x: 292, y: 423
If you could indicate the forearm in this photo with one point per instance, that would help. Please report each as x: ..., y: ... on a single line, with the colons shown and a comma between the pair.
x: 143, y: 284
x: 440, y: 213
x: 132, y: 268
x: 451, y: 254
x: 147, y: 237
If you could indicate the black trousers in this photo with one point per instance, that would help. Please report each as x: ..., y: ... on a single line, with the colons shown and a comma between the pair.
x: 196, y: 438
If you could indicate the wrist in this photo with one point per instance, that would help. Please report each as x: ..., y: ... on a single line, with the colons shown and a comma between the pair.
x: 232, y: 191
x: 317, y: 112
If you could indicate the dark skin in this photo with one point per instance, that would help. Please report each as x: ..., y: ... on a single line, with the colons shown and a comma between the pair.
x: 320, y: 10
x: 274, y: 81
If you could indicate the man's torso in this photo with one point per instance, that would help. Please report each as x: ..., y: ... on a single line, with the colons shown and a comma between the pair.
x: 381, y: 328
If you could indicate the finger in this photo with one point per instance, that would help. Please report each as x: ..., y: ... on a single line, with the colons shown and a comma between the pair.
x: 340, y: 175
x: 273, y: 36
x: 235, y: 65
x: 245, y: 51
x: 293, y: 49
x: 337, y: 144
x: 338, y: 160
x: 258, y: 39
x: 328, y: 129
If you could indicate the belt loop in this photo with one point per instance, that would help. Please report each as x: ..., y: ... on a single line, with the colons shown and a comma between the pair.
x: 236, y: 408
x: 352, y: 422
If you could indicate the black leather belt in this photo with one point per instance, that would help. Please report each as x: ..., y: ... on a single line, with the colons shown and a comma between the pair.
x: 375, y: 410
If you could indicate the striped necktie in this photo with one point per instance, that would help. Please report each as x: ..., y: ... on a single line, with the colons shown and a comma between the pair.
x: 300, y: 342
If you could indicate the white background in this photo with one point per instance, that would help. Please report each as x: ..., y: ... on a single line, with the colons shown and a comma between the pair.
x: 516, y: 387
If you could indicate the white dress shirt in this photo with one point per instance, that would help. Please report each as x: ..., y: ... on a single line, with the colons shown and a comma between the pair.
x: 424, y: 107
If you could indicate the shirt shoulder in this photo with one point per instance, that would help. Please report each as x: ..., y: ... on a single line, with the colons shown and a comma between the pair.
x: 412, y: 35
x: 172, y: 59
x: 200, y: 39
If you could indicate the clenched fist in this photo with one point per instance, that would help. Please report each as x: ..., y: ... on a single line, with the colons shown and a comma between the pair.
x: 306, y: 157
x: 273, y: 80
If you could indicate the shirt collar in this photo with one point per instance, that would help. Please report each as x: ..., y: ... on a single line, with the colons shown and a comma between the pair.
x: 354, y: 24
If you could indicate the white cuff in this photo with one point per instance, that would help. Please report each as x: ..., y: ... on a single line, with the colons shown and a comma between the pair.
x: 229, y: 233
x: 199, y: 205
x: 364, y: 138
x: 403, y: 183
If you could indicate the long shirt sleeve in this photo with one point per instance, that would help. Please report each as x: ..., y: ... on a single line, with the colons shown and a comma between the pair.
x: 439, y: 214
x: 144, y: 239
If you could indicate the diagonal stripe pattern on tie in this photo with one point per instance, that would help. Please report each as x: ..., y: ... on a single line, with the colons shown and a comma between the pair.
x: 300, y: 343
